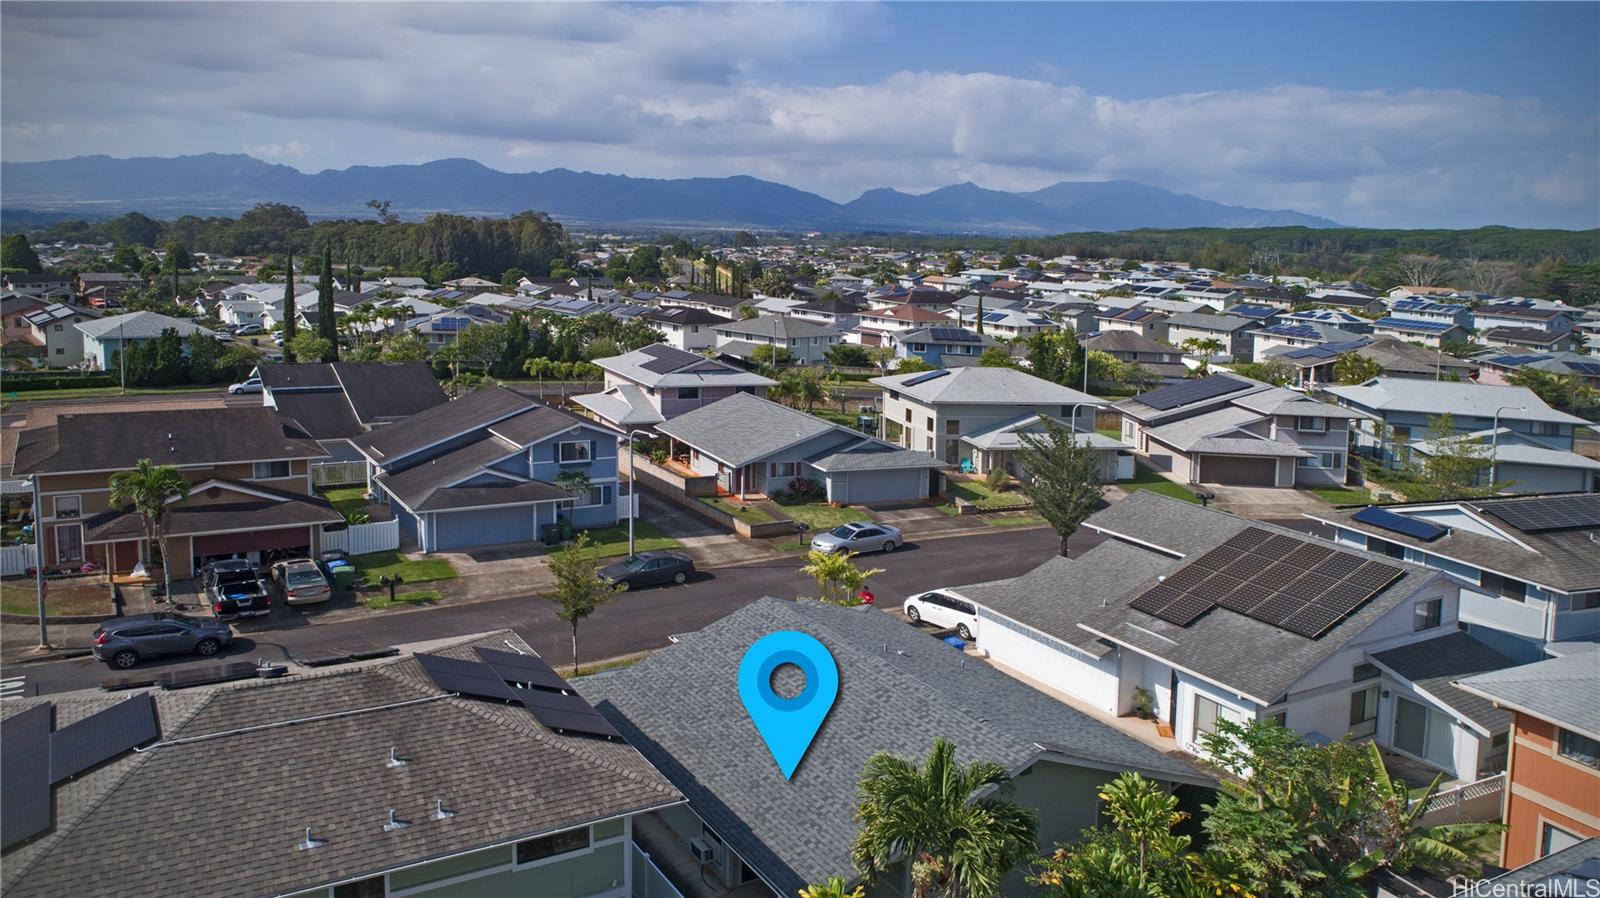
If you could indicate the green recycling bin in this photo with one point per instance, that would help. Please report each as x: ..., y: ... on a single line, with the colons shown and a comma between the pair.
x: 344, y: 577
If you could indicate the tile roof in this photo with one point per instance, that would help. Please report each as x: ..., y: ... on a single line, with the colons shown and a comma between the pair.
x: 985, y: 386
x: 114, y: 441
x: 1560, y: 690
x: 896, y: 700
x: 504, y: 775
x: 1433, y: 666
x: 1256, y: 659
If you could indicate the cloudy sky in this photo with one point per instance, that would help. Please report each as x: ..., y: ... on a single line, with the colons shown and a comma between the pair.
x: 1408, y: 114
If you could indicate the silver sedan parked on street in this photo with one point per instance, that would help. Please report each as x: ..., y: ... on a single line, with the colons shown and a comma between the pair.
x: 862, y: 536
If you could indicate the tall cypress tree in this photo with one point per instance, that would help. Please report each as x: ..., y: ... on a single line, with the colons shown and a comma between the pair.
x: 289, y: 327
x: 326, y: 327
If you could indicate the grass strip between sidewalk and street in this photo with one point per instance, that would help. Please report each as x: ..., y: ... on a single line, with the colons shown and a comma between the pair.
x: 750, y: 514
x: 411, y: 570
x: 416, y: 597
x: 1145, y: 478
x: 609, y: 542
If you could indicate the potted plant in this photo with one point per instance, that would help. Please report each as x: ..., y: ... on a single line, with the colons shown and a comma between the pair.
x: 1144, y: 703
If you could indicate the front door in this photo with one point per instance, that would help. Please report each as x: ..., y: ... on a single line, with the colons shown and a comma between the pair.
x: 69, y: 543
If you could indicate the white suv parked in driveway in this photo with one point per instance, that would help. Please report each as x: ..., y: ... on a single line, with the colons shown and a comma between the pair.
x: 944, y: 608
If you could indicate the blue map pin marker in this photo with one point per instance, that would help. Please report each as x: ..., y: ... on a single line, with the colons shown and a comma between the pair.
x: 788, y: 724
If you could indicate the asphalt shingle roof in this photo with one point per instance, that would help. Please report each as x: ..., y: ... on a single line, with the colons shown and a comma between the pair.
x: 504, y: 775
x: 1402, y: 394
x: 114, y: 441
x: 384, y: 391
x: 325, y: 414
x: 1434, y: 665
x: 896, y: 699
x: 986, y: 386
x: 1560, y: 690
x: 138, y: 326
x: 477, y: 409
x: 743, y: 428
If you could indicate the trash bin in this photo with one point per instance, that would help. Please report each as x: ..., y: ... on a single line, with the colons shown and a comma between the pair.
x: 344, y: 576
x: 956, y: 642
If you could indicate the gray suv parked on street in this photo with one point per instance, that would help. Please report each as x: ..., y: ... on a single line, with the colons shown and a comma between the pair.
x: 123, y: 641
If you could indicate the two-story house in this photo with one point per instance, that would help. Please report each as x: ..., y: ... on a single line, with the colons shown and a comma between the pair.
x: 336, y: 402
x: 1416, y: 309
x: 1160, y: 359
x: 1429, y: 333
x: 1270, y: 341
x: 945, y: 345
x: 1140, y: 319
x: 1520, y: 314
x: 1533, y: 558
x: 931, y: 411
x: 877, y: 327
x: 1196, y: 615
x: 809, y: 342
x: 1230, y: 430
x: 650, y: 385
x: 487, y: 469
x: 1232, y: 331
x: 248, y: 471
x: 463, y: 766
x: 1552, y: 799
x: 54, y: 329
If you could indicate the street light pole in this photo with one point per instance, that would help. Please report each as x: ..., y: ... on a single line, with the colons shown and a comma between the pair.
x: 1494, y: 439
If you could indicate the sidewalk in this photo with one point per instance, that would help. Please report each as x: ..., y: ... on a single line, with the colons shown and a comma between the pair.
x: 19, y: 643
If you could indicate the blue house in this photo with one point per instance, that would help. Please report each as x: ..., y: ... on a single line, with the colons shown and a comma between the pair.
x: 942, y: 346
x: 490, y: 468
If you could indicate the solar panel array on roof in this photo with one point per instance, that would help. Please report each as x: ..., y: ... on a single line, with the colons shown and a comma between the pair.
x: 1293, y: 330
x: 1398, y: 523
x: 665, y: 359
x: 516, y: 668
x: 1549, y: 513
x: 1280, y: 580
x: 25, y: 775
x: 465, y: 677
x: 926, y: 376
x: 1517, y: 361
x: 100, y: 737
x: 953, y: 335
x: 1590, y: 368
x: 524, y: 679
x: 1413, y: 324
x: 1193, y: 391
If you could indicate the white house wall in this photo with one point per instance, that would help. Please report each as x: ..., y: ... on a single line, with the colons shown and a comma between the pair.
x: 1050, y: 661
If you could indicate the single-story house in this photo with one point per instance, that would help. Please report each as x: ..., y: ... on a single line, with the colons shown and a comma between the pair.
x: 1161, y: 359
x: 484, y: 470
x: 753, y: 445
x: 105, y: 337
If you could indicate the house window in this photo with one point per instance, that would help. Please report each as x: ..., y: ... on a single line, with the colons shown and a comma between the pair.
x: 590, y: 498
x: 1428, y: 614
x: 781, y: 469
x: 549, y: 846
x: 1393, y: 550
x: 1422, y: 732
x: 1585, y: 601
x: 69, y: 543
x: 574, y: 452
x: 1206, y: 713
x: 952, y: 428
x: 1364, y: 712
x: 265, y: 470
x: 688, y: 392
x: 69, y: 506
x: 1311, y: 424
x: 908, y: 416
x: 1553, y: 838
x: 1540, y: 428
x: 59, y: 328
x: 930, y: 425
x: 1578, y: 747
x: 61, y: 350
x: 1505, y: 587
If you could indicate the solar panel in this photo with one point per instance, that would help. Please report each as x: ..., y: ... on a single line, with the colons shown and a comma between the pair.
x: 591, y: 724
x: 1246, y: 538
x: 926, y: 376
x: 1307, y: 556
x: 465, y: 677
x: 183, y: 678
x: 1186, y: 609
x: 25, y: 775
x: 1152, y: 600
x: 101, y: 737
x: 1590, y: 368
x: 1192, y: 391
x: 1384, y: 519
x: 665, y: 359
x: 514, y: 668
x: 953, y: 335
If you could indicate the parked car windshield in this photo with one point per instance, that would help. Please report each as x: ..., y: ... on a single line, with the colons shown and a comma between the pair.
x: 635, y: 563
x: 843, y: 531
x: 297, y: 578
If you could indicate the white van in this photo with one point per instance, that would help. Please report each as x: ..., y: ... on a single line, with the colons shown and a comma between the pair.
x: 944, y: 608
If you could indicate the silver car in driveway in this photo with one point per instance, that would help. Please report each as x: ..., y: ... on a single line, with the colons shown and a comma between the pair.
x: 863, y: 536
x: 302, y: 581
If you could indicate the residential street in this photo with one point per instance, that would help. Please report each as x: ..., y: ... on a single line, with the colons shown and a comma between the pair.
x: 636, y: 621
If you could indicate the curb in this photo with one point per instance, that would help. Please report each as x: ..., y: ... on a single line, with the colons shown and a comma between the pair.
x: 56, y: 655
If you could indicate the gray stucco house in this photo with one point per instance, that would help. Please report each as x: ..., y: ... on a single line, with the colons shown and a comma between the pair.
x: 753, y: 445
x: 931, y: 411
x: 482, y: 470
x: 808, y: 341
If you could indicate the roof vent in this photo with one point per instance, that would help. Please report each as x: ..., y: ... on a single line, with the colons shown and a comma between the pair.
x: 395, y: 823
x: 440, y: 812
x: 395, y: 760
x: 309, y: 842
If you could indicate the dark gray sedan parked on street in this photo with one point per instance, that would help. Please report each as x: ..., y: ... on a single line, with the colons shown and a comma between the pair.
x: 649, y: 569
x: 122, y: 642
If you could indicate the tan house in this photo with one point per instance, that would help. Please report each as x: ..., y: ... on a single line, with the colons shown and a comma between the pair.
x: 248, y: 469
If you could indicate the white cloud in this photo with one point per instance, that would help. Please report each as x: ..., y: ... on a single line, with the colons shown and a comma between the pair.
x: 294, y: 149
x: 687, y: 90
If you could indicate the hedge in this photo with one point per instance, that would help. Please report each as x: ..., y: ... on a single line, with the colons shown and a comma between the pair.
x: 20, y: 382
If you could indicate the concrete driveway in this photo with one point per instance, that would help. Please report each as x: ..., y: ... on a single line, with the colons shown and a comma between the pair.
x: 1263, y: 501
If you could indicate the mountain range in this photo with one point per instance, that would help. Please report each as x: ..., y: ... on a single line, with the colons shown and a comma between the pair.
x: 226, y: 184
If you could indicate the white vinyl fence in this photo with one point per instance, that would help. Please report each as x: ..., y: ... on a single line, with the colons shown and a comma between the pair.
x: 339, y: 473
x: 359, y: 539
x: 648, y: 880
x: 1477, y: 802
x: 15, y: 560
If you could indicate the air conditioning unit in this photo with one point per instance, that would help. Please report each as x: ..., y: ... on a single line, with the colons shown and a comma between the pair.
x: 703, y: 851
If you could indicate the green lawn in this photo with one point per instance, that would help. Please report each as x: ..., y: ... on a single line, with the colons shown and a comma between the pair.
x: 1337, y: 496
x: 647, y: 537
x: 848, y: 419
x: 1147, y: 479
x: 978, y: 493
x: 418, y: 597
x: 389, y: 564
x: 346, y: 499
x: 820, y: 515
x: 750, y: 514
x: 791, y: 545
x: 1111, y: 432
x: 1016, y: 521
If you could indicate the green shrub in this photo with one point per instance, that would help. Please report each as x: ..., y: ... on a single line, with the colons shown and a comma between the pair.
x: 21, y: 382
x: 997, y: 478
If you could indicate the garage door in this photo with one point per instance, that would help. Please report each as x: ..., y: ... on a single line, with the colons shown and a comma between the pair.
x: 1229, y: 469
x: 251, y: 541
x: 879, y: 486
x: 486, y: 527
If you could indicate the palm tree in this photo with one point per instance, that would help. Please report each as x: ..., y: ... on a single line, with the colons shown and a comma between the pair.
x: 1205, y: 348
x: 1398, y: 841
x: 147, y: 488
x: 1352, y: 369
x: 956, y: 825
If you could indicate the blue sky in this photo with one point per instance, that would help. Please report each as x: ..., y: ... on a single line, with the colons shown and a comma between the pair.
x: 1385, y: 114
